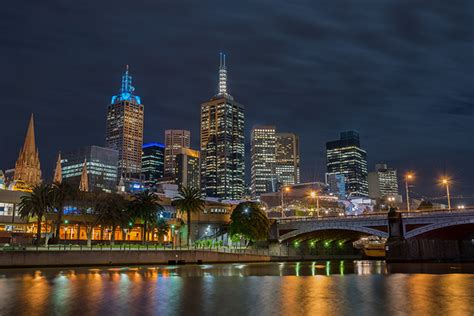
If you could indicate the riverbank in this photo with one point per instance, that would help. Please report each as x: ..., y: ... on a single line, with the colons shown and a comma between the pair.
x: 64, y: 258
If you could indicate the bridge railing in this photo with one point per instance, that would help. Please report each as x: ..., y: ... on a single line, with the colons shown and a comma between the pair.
x: 375, y: 215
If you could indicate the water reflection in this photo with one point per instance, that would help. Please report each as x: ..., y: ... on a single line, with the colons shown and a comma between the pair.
x: 293, y: 288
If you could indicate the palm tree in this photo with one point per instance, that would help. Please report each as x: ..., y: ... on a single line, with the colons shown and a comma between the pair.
x: 36, y: 204
x: 112, y: 212
x: 146, y: 206
x: 189, y: 201
x: 162, y: 228
x: 61, y: 194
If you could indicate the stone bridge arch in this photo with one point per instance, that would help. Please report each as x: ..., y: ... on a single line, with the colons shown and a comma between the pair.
x: 305, y: 231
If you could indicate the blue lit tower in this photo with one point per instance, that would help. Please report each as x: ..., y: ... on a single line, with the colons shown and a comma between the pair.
x: 222, y: 143
x: 124, y: 131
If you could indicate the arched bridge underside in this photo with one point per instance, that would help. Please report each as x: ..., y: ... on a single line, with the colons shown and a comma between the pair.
x: 426, y: 225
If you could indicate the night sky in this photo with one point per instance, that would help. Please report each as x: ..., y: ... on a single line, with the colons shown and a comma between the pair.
x: 399, y: 72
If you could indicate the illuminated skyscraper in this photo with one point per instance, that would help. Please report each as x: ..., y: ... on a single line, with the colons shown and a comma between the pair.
x: 222, y: 143
x: 263, y: 156
x: 287, y: 158
x: 152, y: 162
x: 345, y: 157
x: 383, y: 182
x: 124, y: 131
x: 187, y: 168
x: 175, y: 139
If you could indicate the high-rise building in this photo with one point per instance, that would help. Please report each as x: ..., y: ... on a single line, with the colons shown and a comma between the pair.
x: 346, y: 157
x: 27, y: 167
x: 152, y: 162
x: 187, y: 168
x: 287, y: 158
x: 99, y: 163
x: 263, y: 157
x: 383, y: 182
x: 222, y: 143
x: 124, y: 131
x: 175, y: 139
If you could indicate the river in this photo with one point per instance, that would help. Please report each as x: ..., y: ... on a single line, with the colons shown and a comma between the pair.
x: 287, y: 288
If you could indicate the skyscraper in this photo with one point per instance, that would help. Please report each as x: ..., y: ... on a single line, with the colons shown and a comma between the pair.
x: 222, y: 143
x: 383, y: 182
x: 187, y: 168
x: 263, y: 156
x: 27, y: 166
x: 175, y: 139
x: 124, y: 131
x: 98, y: 163
x: 287, y: 158
x: 152, y: 162
x: 346, y: 157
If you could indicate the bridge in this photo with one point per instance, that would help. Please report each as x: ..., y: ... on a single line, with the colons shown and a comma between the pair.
x: 434, y: 224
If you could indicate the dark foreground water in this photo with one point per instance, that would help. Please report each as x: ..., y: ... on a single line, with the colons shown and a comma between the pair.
x: 316, y: 288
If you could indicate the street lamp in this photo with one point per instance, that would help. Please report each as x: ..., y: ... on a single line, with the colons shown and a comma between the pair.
x: 408, y: 177
x: 315, y: 195
x: 287, y: 190
x: 445, y: 181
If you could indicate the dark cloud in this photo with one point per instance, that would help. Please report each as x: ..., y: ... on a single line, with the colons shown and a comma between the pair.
x: 400, y: 72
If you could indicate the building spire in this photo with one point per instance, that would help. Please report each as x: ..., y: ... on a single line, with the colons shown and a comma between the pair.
x: 58, y: 173
x: 84, y: 184
x: 127, y: 82
x: 222, y: 75
x: 27, y: 167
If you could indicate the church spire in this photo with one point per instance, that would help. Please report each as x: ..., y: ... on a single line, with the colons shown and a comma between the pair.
x: 222, y: 75
x: 84, y: 184
x: 58, y: 173
x: 27, y: 166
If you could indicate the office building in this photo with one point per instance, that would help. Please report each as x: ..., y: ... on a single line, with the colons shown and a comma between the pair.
x: 124, y: 130
x: 152, y: 163
x: 99, y: 163
x: 175, y: 139
x: 187, y: 168
x: 287, y: 158
x: 222, y: 143
x: 346, y: 157
x: 263, y: 157
x: 27, y: 167
x: 383, y: 182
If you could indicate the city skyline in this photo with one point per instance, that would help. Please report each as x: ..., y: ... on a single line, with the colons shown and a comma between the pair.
x: 387, y: 114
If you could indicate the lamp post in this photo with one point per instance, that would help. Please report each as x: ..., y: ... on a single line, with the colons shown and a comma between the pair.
x: 408, y: 177
x: 314, y: 195
x: 285, y: 189
x: 445, y: 182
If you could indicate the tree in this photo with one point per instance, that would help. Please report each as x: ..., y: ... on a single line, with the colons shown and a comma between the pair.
x: 189, y: 201
x: 61, y: 193
x: 162, y: 228
x: 250, y: 222
x: 88, y: 205
x: 36, y: 204
x: 146, y: 206
x: 112, y: 212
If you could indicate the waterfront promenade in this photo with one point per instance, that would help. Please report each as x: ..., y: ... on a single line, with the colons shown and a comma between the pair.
x: 85, y: 256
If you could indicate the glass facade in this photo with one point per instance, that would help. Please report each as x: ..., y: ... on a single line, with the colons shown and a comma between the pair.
x: 287, y: 158
x: 263, y: 158
x: 152, y: 162
x: 345, y: 157
x: 187, y: 168
x: 101, y: 166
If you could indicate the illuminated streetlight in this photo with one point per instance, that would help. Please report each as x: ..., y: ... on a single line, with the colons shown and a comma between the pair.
x: 445, y: 181
x: 287, y: 190
x: 408, y: 177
